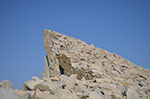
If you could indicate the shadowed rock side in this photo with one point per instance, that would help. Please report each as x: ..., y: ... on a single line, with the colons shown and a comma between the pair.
x: 76, y: 70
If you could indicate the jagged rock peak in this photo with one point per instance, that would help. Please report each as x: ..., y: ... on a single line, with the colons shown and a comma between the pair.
x: 76, y: 70
x: 67, y: 56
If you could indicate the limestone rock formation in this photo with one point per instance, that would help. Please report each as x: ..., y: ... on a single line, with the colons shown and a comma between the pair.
x: 110, y: 74
x: 75, y: 70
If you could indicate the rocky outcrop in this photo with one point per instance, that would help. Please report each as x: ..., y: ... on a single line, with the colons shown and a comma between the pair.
x: 75, y: 70
x: 109, y: 73
x: 66, y: 55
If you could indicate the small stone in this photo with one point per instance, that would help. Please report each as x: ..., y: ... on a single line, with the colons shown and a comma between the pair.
x: 56, y: 78
x: 35, y: 78
x: 47, y: 79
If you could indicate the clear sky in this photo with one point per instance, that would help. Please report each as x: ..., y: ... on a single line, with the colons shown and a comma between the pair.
x: 119, y: 26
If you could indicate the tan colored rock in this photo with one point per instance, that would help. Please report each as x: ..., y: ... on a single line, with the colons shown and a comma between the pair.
x: 47, y: 79
x: 132, y: 93
x: 35, y: 78
x: 56, y: 78
x: 30, y: 85
x: 51, y: 87
x: 65, y: 94
x: 46, y: 86
x: 70, y: 83
x: 66, y: 55
x: 93, y: 95
x: 6, y: 93
x: 6, y: 84
x: 41, y: 95
x: 75, y: 69
x: 25, y: 94
x: 64, y: 78
x: 47, y: 70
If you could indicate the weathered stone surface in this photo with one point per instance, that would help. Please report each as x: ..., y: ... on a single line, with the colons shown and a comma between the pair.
x: 50, y: 87
x: 107, y: 73
x: 94, y: 95
x: 65, y: 94
x: 46, y: 86
x: 132, y: 93
x: 9, y: 94
x: 41, y: 95
x: 76, y: 70
x: 6, y: 84
x: 47, y: 69
x: 70, y: 83
x: 56, y: 78
x: 30, y: 85
x: 68, y: 56
x: 24, y: 94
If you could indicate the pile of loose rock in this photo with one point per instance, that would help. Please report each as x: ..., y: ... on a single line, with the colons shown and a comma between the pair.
x: 76, y: 70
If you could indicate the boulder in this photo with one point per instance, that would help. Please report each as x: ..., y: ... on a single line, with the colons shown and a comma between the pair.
x: 30, y: 85
x: 6, y: 84
x: 51, y: 87
x: 24, y: 94
x: 6, y: 93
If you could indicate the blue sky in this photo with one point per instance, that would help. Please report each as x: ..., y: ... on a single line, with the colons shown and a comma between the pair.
x: 119, y: 26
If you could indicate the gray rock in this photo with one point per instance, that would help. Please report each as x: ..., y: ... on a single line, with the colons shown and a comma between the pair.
x: 25, y: 94
x: 46, y: 73
x: 132, y: 93
x: 9, y: 94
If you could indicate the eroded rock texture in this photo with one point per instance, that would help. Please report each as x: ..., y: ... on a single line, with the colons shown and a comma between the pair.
x: 68, y: 56
x: 112, y: 73
x: 76, y: 70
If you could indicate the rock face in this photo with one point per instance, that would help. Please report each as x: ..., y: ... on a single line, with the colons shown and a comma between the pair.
x: 76, y: 70
x: 110, y: 74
